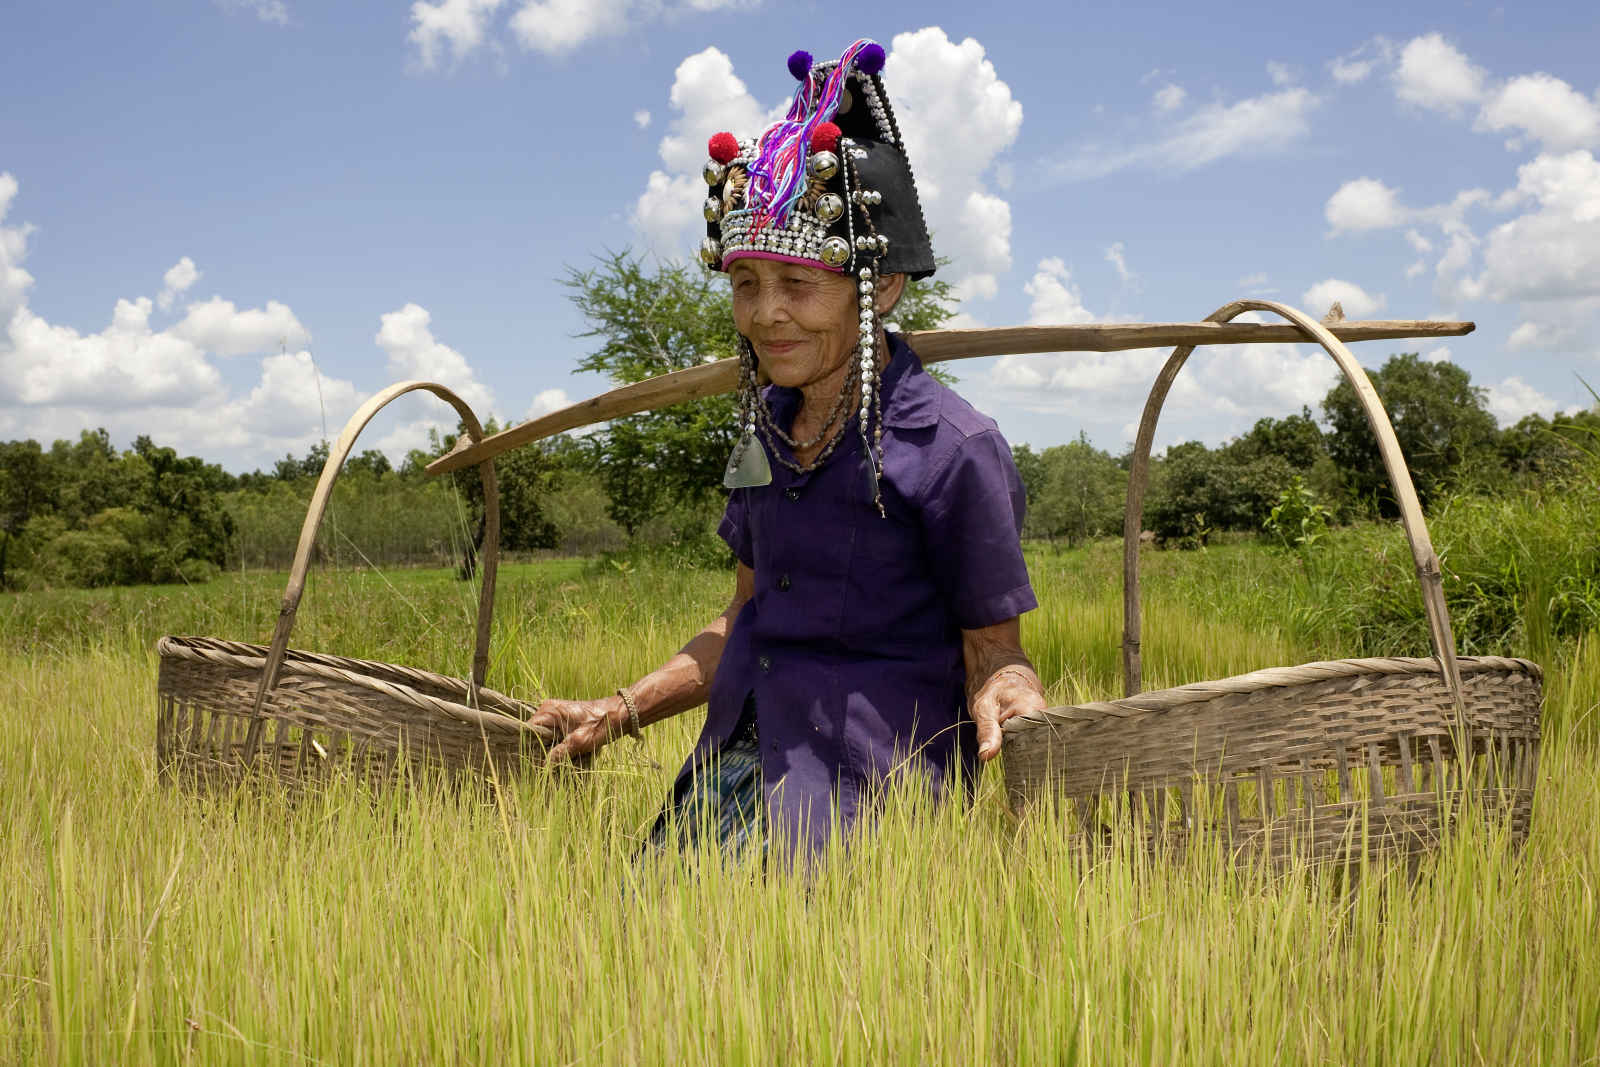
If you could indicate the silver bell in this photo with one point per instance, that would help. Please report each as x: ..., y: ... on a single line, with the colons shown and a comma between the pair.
x: 829, y: 207
x: 835, y: 251
x: 714, y: 172
x: 712, y: 208
x: 822, y: 166
x: 711, y: 252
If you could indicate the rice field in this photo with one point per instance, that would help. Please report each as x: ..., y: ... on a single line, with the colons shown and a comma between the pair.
x: 139, y: 925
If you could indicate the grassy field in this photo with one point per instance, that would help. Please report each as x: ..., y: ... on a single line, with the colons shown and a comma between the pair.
x: 138, y: 925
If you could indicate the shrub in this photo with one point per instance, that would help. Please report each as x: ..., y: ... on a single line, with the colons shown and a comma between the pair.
x: 88, y: 557
x: 198, y: 571
x: 1297, y: 520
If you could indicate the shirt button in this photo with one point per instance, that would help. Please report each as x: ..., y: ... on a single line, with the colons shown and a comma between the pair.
x: 792, y: 494
x: 765, y: 662
x: 784, y: 583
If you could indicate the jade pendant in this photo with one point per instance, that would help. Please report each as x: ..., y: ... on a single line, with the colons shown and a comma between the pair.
x: 747, y: 466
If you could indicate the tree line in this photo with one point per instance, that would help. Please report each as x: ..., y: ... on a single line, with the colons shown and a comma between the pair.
x: 1287, y: 477
x: 86, y: 513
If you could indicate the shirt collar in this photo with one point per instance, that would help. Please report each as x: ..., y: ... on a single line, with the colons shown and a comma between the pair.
x: 910, y: 394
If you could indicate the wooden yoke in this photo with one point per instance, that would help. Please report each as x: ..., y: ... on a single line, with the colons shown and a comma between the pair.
x: 932, y: 346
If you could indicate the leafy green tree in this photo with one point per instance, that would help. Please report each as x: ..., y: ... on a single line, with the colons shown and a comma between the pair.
x: 648, y: 319
x: 1440, y: 418
x: 1538, y: 450
x: 25, y: 493
x: 371, y: 462
x: 1081, y: 493
x: 1030, y: 469
x: 1201, y: 490
x: 524, y: 478
x: 1298, y: 440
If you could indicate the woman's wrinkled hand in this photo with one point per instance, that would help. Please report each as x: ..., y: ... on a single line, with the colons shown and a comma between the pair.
x: 1011, y: 690
x: 579, y: 727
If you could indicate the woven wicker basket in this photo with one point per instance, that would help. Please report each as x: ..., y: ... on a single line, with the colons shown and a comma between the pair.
x: 228, y: 709
x: 1326, y: 760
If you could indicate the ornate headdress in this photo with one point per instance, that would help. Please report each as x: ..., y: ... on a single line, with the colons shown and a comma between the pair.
x: 829, y: 186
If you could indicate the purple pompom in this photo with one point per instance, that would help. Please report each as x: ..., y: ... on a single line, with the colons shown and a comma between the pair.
x: 800, y: 64
x: 870, y: 59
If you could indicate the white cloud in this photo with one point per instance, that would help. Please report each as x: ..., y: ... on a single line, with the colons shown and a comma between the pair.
x: 1252, y: 281
x: 273, y: 11
x: 1357, y: 302
x: 1055, y: 299
x: 1526, y: 335
x: 461, y: 26
x: 957, y: 118
x: 126, y: 364
x: 1419, y: 244
x: 1364, y: 204
x: 1281, y: 73
x: 641, y: 119
x: 1356, y: 66
x: 215, y: 325
x: 1514, y: 398
x: 178, y: 279
x: 706, y: 98
x: 407, y: 337
x: 56, y: 380
x: 547, y: 401
x: 290, y: 404
x: 1546, y: 109
x: 1116, y: 257
x: 1254, y: 126
x: 1169, y: 97
x: 14, y: 281
x: 1441, y: 354
x: 555, y: 27
x: 1433, y: 74
x: 1221, y: 390
x: 1551, y: 252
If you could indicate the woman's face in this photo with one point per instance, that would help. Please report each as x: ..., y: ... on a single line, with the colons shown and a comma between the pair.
x: 802, y: 321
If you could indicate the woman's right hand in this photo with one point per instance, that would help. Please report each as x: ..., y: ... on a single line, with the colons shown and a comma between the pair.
x: 580, y: 727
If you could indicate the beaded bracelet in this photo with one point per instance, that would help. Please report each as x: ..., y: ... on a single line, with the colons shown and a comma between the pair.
x: 633, y: 713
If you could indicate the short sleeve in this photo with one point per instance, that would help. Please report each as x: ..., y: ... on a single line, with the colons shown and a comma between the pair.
x: 735, y: 527
x: 972, y: 527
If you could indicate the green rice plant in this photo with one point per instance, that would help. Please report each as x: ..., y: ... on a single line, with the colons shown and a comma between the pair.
x: 428, y: 924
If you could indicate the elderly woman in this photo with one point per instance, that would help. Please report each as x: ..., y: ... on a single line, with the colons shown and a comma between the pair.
x: 874, y: 515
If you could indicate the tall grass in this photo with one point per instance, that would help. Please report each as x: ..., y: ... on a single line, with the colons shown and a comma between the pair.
x: 140, y: 925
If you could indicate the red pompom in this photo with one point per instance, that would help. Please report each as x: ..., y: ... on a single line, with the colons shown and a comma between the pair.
x: 825, y: 138
x: 723, y: 147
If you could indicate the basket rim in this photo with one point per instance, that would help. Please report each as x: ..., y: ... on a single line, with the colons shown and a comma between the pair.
x: 498, y: 712
x: 1255, y: 681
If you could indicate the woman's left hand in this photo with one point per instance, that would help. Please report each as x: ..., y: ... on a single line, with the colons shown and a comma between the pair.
x: 1012, y: 690
x: 1001, y: 682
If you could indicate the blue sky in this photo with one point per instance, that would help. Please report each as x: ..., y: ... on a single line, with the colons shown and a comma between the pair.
x: 201, y: 200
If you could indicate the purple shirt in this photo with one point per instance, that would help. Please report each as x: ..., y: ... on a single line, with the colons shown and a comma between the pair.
x: 852, y: 641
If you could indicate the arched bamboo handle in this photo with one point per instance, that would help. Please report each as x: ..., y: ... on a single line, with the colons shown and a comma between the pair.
x: 308, y: 537
x: 1427, y: 562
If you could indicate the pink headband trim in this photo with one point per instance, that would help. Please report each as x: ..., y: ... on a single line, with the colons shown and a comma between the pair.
x: 780, y: 258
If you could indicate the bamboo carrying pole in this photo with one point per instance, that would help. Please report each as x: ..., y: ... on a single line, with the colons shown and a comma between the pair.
x: 933, y: 346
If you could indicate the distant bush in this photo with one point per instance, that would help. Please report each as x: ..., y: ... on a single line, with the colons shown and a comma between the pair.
x: 198, y: 571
